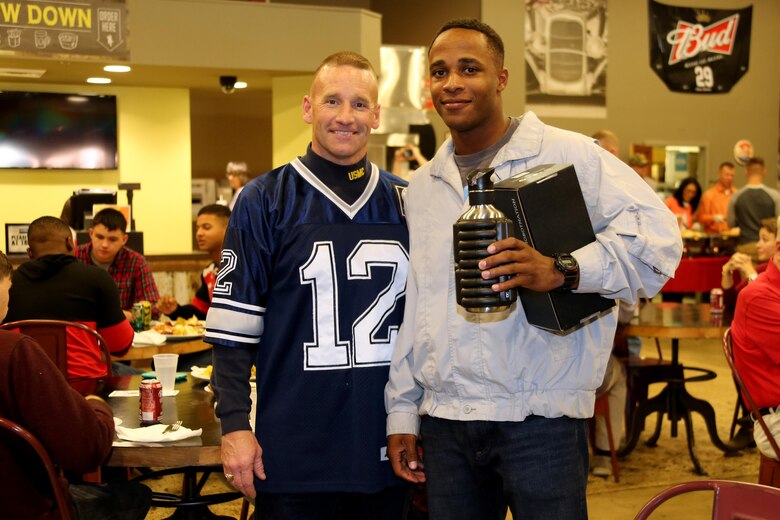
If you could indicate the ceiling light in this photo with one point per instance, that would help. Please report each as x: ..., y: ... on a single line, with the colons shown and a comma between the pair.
x: 117, y: 68
x: 240, y: 84
x: 99, y: 81
x: 21, y: 73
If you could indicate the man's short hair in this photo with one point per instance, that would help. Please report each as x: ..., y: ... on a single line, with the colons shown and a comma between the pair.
x: 725, y: 164
x: 770, y: 224
x: 43, y: 229
x: 111, y: 219
x: 6, y: 268
x: 346, y: 59
x: 495, y: 43
x: 754, y: 160
x: 218, y: 210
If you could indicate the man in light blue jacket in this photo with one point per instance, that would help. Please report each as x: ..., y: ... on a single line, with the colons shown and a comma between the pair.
x: 501, y: 405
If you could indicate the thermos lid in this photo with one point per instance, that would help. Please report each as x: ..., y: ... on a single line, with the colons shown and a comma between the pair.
x: 480, y: 186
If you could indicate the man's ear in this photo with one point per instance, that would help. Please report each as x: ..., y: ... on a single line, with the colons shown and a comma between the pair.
x: 503, y: 79
x: 307, y: 115
x: 29, y: 252
x: 125, y: 236
x: 69, y: 245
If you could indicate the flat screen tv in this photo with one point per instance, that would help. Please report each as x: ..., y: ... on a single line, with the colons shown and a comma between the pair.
x: 57, y: 131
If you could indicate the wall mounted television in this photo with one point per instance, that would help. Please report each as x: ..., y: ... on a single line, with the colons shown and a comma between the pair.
x: 57, y: 131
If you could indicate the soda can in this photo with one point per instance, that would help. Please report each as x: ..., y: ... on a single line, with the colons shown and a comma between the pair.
x: 147, y: 310
x: 137, y: 320
x: 717, y: 305
x: 150, y: 401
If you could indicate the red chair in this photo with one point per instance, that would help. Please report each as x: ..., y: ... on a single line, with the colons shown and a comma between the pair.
x: 602, y: 408
x: 12, y: 434
x: 731, y: 500
x: 769, y: 469
x: 52, y: 336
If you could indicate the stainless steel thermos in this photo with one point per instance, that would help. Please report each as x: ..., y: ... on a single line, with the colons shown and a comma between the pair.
x: 478, y: 227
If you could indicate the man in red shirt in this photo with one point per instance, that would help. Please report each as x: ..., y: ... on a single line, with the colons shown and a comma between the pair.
x: 106, y: 249
x: 715, y: 201
x: 756, y: 336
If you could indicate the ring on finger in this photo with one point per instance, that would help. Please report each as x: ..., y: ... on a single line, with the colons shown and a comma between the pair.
x: 229, y: 477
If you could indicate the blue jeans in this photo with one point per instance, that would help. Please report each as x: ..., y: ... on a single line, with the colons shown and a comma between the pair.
x: 475, y: 469
x: 387, y: 504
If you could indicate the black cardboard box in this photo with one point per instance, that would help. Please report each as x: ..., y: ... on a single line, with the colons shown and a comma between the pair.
x: 546, y: 205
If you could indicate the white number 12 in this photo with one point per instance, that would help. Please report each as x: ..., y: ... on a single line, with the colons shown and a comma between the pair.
x: 368, y: 347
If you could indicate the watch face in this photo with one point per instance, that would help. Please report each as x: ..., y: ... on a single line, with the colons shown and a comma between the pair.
x: 567, y: 262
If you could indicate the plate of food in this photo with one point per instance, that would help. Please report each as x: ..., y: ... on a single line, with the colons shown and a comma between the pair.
x: 181, y: 329
x: 202, y: 373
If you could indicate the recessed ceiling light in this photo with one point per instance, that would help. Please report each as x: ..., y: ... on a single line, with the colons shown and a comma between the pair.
x: 240, y: 84
x: 117, y: 68
x: 99, y: 81
x: 21, y: 73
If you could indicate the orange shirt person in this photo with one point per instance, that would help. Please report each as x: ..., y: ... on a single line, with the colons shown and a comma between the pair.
x: 715, y: 201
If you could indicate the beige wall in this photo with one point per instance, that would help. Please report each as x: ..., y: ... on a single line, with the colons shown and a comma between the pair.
x: 154, y: 149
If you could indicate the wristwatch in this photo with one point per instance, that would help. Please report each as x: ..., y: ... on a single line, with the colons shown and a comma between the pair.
x: 570, y: 269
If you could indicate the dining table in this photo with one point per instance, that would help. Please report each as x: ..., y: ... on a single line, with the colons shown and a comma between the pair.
x: 175, y: 346
x: 194, y: 407
x: 677, y: 321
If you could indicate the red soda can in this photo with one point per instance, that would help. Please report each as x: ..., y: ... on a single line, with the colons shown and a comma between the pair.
x: 150, y: 401
x: 717, y: 305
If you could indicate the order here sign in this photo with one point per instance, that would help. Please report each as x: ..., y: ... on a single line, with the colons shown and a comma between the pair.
x: 83, y: 28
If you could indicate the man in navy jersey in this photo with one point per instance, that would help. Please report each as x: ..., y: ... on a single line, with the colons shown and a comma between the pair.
x: 311, y: 290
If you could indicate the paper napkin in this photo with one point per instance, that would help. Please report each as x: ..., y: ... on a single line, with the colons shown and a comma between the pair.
x: 148, y: 337
x: 154, y: 433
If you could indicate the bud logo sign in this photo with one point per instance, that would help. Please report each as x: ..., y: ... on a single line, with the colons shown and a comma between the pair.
x: 699, y: 50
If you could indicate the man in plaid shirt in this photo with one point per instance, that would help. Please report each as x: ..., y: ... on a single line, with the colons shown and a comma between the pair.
x: 128, y: 268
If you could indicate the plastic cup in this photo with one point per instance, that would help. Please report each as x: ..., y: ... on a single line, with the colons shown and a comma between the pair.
x: 165, y: 368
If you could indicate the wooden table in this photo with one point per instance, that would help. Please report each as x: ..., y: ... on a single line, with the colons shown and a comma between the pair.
x: 169, y: 347
x: 194, y: 406
x: 677, y: 321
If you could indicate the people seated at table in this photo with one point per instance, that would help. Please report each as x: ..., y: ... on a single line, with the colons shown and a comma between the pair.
x: 739, y: 270
x: 750, y: 205
x: 77, y: 433
x: 685, y: 201
x: 54, y: 285
x: 755, y: 333
x: 209, y: 232
x: 106, y: 249
x: 714, y: 203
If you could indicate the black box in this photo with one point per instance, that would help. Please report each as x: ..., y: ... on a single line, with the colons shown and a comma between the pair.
x: 546, y: 205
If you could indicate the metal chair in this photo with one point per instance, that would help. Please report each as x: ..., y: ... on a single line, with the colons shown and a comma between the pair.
x: 769, y: 472
x: 730, y: 499
x: 52, y: 336
x: 18, y: 433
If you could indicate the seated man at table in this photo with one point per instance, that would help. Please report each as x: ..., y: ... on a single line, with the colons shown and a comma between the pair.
x: 209, y: 232
x: 756, y: 337
x: 106, y: 249
x: 77, y: 433
x: 54, y: 285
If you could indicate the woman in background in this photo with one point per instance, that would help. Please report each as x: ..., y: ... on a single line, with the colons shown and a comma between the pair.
x: 237, y: 176
x: 685, y: 201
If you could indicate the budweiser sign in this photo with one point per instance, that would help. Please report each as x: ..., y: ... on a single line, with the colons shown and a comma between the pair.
x: 688, y: 40
x: 690, y: 54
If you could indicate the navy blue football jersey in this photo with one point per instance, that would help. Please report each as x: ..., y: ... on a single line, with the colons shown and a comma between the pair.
x: 317, y: 287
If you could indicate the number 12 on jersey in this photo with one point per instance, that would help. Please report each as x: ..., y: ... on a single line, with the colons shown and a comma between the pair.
x: 372, y: 340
